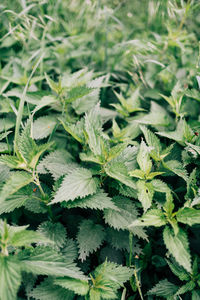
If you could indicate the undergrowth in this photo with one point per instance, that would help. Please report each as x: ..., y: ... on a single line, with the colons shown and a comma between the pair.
x: 100, y: 150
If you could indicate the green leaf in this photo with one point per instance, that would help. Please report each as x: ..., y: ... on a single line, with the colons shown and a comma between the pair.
x: 145, y: 193
x: 100, y: 201
x: 80, y: 183
x: 157, y: 116
x: 181, y: 135
x: 46, y: 261
x: 93, y: 127
x: 58, y: 163
x: 126, y: 213
x: 54, y: 232
x: 47, y: 290
x: 188, y: 287
x: 75, y: 130
x: 43, y: 127
x: 163, y: 288
x: 78, y: 92
x: 90, y: 237
x: 137, y: 173
x: 10, y: 275
x: 152, y: 141
x: 179, y: 271
x: 80, y: 287
x: 188, y: 216
x: 143, y: 158
x: 176, y: 167
x: 178, y: 247
x: 195, y: 295
x: 16, y: 181
x: 153, y: 217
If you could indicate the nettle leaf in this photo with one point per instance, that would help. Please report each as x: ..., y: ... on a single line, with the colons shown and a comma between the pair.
x: 188, y: 287
x: 58, y: 163
x: 121, y: 219
x: 10, y: 275
x: 46, y: 261
x: 143, y: 158
x: 145, y: 193
x: 55, y: 232
x: 15, y: 182
x: 80, y: 287
x: 100, y: 201
x: 93, y: 128
x: 75, y: 130
x: 109, y: 277
x: 179, y: 271
x: 157, y: 116
x: 176, y: 167
x: 163, y: 288
x: 43, y: 127
x: 178, y: 247
x: 28, y: 149
x: 90, y: 236
x: 78, y: 92
x: 181, y: 135
x: 188, y: 216
x: 12, y: 162
x: 80, y: 183
x: 152, y: 141
x: 48, y: 290
x: 153, y: 217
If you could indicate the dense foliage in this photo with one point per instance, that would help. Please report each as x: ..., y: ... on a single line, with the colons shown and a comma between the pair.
x: 100, y: 149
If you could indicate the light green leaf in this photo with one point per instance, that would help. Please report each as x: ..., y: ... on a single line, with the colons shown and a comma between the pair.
x: 80, y: 287
x: 46, y: 261
x: 93, y: 127
x: 145, y: 193
x: 90, y: 237
x: 80, y: 183
x: 163, y: 288
x: 178, y: 247
x: 176, y: 167
x: 43, y: 127
x: 47, y: 290
x: 16, y: 181
x: 10, y: 275
x: 54, y: 232
x: 143, y: 158
x: 152, y: 141
x: 100, y: 201
x: 188, y: 216
x: 153, y: 217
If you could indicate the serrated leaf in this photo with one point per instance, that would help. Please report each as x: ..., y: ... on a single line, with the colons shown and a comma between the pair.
x: 10, y: 275
x: 176, y: 167
x: 153, y: 217
x: 181, y: 135
x: 188, y: 216
x: 46, y: 261
x: 152, y: 141
x: 90, y: 236
x: 54, y: 232
x: 188, y: 287
x: 80, y: 287
x: 47, y: 290
x: 80, y: 183
x: 15, y: 182
x: 178, y: 247
x: 93, y: 127
x: 157, y: 116
x: 75, y: 130
x: 179, y: 271
x: 145, y: 193
x: 163, y: 288
x: 143, y: 158
x: 43, y: 127
x: 100, y: 201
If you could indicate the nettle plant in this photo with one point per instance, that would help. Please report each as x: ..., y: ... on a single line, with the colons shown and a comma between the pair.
x: 99, y: 170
